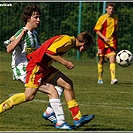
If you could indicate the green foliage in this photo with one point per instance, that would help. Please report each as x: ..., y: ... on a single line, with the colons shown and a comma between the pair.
x: 63, y: 18
x: 126, y: 28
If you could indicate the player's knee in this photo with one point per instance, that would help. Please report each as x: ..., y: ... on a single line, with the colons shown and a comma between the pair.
x: 52, y: 92
x: 69, y: 86
x: 29, y: 96
x: 101, y: 59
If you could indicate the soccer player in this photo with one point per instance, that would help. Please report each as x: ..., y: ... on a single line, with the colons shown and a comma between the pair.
x: 21, y: 44
x: 40, y: 70
x: 106, y: 28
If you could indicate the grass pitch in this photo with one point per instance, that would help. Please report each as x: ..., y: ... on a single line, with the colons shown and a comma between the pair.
x: 112, y: 104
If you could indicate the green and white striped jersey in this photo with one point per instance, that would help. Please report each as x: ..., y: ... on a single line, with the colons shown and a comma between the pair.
x: 28, y: 44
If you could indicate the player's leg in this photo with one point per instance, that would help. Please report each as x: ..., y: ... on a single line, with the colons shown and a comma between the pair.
x: 113, y: 68
x: 63, y: 81
x: 112, y: 59
x: 100, y: 69
x: 50, y: 91
x: 19, y: 73
x: 56, y: 105
x: 48, y: 113
x: 17, y: 99
x: 101, y: 58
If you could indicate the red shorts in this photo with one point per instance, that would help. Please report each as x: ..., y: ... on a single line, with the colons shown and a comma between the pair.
x: 102, y: 51
x: 36, y: 75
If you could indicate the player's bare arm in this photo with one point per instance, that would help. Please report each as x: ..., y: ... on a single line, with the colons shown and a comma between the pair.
x: 67, y: 64
x: 15, y: 42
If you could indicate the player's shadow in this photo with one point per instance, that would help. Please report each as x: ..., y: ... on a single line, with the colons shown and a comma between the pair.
x: 93, y: 128
x: 127, y: 83
x: 98, y: 127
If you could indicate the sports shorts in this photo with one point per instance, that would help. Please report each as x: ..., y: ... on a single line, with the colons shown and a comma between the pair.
x: 19, y: 72
x: 102, y: 51
x: 38, y: 76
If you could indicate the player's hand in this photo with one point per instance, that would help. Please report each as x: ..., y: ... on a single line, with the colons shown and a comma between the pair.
x: 24, y: 31
x: 106, y: 40
x: 69, y: 65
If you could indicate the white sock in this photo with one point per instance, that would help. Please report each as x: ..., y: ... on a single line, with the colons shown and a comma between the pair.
x: 58, y: 110
x: 60, y: 90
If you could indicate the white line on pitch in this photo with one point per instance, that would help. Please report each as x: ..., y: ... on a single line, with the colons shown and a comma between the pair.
x: 103, y: 105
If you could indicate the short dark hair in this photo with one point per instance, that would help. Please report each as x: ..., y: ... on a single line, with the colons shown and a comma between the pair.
x: 28, y: 12
x: 85, y: 37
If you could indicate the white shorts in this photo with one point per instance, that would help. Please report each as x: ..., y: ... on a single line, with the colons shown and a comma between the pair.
x: 19, y: 72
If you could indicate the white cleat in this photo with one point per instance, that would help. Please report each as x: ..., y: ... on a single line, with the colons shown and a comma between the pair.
x: 114, y: 81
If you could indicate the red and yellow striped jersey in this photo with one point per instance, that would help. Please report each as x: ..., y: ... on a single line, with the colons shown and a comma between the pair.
x: 57, y: 45
x: 108, y: 26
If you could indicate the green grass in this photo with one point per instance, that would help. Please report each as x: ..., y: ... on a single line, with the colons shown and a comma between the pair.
x: 112, y: 104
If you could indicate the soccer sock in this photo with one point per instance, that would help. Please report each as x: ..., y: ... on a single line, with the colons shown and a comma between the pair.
x: 74, y: 109
x: 112, y: 70
x: 13, y: 100
x: 100, y: 71
x: 58, y: 110
x: 60, y: 90
x: 49, y: 109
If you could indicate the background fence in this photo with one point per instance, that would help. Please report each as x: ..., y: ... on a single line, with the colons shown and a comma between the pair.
x: 67, y: 18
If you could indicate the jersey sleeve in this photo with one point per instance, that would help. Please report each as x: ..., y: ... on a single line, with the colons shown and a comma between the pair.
x: 98, y: 25
x: 13, y: 37
x: 61, y: 45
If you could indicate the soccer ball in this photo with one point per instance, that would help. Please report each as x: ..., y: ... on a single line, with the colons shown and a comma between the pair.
x: 124, y: 58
